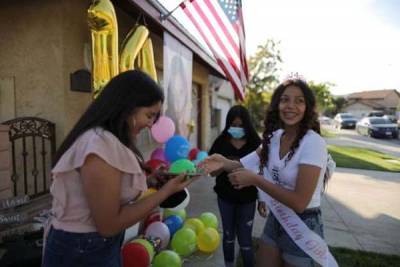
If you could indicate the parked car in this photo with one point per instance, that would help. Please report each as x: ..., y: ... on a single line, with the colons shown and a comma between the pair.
x: 345, y: 120
x: 324, y: 120
x: 377, y: 127
x: 392, y: 118
x: 375, y: 113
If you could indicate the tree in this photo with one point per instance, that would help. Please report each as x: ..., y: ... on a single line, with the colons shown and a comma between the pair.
x: 338, y: 104
x: 263, y: 67
x: 323, y: 95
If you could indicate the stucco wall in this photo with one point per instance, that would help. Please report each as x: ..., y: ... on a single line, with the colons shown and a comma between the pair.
x: 5, y: 163
x: 392, y: 100
x: 42, y: 42
x: 358, y: 110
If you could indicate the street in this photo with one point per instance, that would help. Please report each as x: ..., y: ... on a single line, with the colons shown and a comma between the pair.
x: 352, y: 138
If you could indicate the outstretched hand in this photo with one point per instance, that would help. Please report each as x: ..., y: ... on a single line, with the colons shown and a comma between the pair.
x: 213, y: 163
x: 242, y: 177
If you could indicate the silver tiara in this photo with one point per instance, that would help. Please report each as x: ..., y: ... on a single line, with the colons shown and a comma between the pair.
x: 294, y: 76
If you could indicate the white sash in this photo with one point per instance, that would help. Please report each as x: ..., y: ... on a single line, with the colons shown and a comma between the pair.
x: 307, y: 240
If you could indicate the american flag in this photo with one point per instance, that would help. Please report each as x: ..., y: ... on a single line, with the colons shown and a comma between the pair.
x: 220, y: 24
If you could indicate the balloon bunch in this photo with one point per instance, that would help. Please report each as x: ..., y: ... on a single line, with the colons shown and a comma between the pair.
x: 165, y: 242
x: 137, y: 48
x: 177, y: 154
x: 172, y: 229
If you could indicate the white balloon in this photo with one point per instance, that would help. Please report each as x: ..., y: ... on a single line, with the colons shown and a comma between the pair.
x: 158, y: 230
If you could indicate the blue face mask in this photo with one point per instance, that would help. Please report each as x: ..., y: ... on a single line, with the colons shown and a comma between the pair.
x: 236, y: 132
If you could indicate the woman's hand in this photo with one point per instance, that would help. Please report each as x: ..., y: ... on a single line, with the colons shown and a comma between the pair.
x: 262, y: 209
x: 213, y: 163
x: 242, y: 177
x: 178, y: 183
x: 157, y: 177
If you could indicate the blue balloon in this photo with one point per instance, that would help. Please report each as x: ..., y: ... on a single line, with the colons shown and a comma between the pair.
x: 177, y: 147
x: 174, y: 223
x: 201, y: 156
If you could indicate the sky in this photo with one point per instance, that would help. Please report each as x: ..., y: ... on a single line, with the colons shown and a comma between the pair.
x: 354, y: 44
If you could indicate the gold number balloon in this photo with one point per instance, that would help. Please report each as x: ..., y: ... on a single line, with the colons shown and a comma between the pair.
x: 131, y: 47
x: 146, y: 59
x: 104, y: 30
x: 137, y: 51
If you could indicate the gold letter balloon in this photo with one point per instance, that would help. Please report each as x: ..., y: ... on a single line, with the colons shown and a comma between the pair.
x: 104, y: 32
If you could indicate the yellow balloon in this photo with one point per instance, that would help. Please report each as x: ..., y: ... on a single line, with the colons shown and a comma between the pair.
x: 104, y: 31
x: 148, y: 192
x: 195, y: 224
x: 131, y: 47
x: 208, y: 240
x: 146, y: 59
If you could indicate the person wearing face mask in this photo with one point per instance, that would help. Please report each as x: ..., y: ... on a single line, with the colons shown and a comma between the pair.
x: 290, y: 171
x: 236, y: 207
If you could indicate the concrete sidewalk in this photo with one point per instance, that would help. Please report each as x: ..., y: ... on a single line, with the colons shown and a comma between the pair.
x: 360, y: 211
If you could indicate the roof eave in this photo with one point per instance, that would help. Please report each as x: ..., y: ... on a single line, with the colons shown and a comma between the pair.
x: 153, y: 10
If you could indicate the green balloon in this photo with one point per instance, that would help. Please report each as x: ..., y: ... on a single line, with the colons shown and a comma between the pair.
x: 181, y: 213
x: 184, y: 241
x: 149, y: 247
x: 167, y: 258
x: 209, y: 219
x: 182, y: 165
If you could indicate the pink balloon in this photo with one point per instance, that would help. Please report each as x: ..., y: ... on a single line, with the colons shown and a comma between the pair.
x: 158, y: 153
x: 163, y: 129
x: 160, y: 230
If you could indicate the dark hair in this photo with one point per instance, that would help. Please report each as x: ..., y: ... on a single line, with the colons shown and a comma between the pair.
x: 273, y: 122
x: 249, y: 130
x: 122, y: 95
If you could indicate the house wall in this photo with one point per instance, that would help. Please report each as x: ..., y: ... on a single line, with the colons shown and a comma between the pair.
x: 5, y: 163
x: 42, y: 42
x: 358, y: 110
x: 223, y: 99
x: 391, y: 101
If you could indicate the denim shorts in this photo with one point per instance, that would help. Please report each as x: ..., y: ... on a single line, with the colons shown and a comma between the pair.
x: 275, y: 235
x: 82, y: 249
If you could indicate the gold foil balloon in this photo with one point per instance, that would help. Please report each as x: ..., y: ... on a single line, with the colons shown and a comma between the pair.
x: 131, y: 47
x: 136, y: 46
x: 146, y: 59
x: 104, y: 30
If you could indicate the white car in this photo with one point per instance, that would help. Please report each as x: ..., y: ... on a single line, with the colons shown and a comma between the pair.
x: 324, y: 120
x: 345, y: 120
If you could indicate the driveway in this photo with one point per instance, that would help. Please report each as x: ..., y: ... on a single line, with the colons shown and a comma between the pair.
x: 361, y: 210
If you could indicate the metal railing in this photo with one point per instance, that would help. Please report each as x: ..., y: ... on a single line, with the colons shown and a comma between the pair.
x: 33, y: 145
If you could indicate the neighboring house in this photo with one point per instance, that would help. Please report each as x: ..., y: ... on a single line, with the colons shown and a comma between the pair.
x: 361, y: 103
x: 44, y: 42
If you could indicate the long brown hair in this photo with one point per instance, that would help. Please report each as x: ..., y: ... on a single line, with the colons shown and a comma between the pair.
x: 110, y: 111
x: 273, y: 122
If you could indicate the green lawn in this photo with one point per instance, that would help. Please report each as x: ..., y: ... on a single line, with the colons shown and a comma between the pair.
x: 362, y: 158
x: 327, y: 133
x: 355, y: 258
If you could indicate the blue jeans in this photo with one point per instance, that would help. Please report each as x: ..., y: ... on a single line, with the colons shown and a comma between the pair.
x: 275, y: 235
x: 82, y: 249
x: 237, y: 219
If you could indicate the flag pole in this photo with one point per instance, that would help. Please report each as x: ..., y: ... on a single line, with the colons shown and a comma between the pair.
x: 165, y: 16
